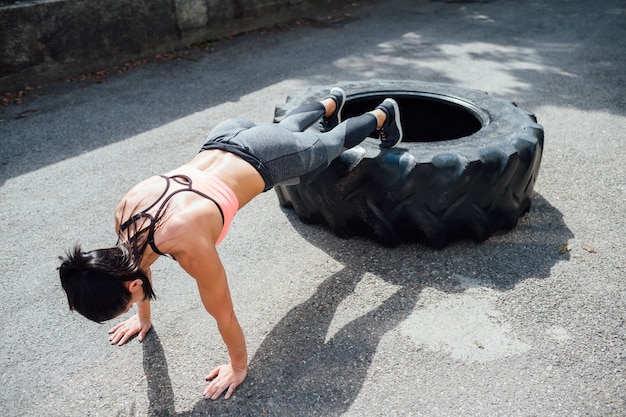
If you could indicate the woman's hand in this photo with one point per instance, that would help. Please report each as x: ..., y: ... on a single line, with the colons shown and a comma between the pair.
x: 127, y: 329
x: 224, y: 378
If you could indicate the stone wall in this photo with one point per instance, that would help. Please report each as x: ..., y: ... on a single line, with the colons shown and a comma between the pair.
x: 43, y: 40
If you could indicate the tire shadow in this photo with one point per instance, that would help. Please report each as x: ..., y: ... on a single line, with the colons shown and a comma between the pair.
x: 296, y: 372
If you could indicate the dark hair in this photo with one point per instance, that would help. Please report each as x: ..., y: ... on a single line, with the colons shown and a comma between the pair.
x: 94, y: 281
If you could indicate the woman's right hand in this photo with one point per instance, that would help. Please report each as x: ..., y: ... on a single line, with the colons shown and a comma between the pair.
x: 123, y: 331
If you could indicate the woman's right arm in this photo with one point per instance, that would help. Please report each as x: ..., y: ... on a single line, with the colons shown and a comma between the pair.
x: 139, y: 323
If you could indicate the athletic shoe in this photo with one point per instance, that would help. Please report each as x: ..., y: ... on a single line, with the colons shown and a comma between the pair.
x: 391, y: 132
x: 329, y: 123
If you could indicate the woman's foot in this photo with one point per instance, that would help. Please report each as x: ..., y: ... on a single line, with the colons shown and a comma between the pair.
x: 390, y: 130
x: 333, y: 105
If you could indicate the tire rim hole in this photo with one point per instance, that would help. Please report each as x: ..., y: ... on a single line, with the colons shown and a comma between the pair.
x: 425, y: 117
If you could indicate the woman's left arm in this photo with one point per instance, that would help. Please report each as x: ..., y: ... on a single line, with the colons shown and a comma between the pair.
x: 202, y: 262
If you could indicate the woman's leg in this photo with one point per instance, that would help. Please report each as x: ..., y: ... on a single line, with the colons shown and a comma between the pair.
x: 298, y: 153
x: 301, y: 118
x: 351, y: 132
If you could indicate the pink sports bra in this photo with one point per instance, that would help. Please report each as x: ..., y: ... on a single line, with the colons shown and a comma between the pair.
x: 190, y: 179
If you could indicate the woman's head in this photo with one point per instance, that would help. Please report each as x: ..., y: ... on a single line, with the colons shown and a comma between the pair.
x: 95, y: 281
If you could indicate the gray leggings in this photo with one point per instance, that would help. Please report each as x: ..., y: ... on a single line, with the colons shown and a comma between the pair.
x: 285, y: 151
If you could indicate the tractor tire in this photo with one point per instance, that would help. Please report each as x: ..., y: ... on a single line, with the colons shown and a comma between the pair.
x: 465, y: 169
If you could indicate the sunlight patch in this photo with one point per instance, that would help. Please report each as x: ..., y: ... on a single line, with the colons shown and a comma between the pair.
x: 466, y: 325
x: 369, y: 294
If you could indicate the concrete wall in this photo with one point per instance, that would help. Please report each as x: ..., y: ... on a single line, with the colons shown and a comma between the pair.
x: 44, y: 40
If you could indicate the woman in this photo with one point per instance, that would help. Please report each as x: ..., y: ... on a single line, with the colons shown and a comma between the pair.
x: 185, y: 213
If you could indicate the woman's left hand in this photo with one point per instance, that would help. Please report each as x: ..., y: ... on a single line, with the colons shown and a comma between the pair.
x: 224, y: 378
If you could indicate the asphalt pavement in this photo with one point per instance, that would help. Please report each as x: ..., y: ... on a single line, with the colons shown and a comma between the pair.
x: 529, y: 323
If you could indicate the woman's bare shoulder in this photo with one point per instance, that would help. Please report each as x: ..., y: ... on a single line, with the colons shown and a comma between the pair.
x: 189, y: 225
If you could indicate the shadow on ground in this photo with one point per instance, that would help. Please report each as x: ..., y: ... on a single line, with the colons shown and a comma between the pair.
x: 296, y: 372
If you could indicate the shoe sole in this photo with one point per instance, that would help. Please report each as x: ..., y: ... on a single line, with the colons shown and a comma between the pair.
x: 343, y: 101
x: 396, y: 112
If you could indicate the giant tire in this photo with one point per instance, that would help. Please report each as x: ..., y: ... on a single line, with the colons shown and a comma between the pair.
x: 465, y: 169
